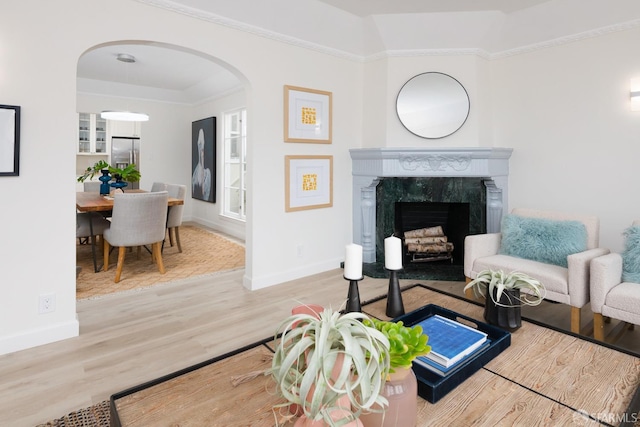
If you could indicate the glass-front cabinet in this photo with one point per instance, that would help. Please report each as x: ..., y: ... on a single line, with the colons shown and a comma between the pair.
x: 92, y: 134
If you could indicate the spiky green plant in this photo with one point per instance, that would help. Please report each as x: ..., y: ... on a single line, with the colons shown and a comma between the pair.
x: 305, y: 358
x: 532, y: 291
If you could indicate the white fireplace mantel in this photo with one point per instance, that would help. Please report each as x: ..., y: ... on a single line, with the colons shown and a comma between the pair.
x: 371, y: 164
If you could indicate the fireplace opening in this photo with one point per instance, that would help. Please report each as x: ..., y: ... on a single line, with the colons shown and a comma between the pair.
x: 432, y: 232
x: 458, y: 205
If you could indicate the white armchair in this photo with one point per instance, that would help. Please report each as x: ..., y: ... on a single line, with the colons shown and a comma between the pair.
x: 567, y: 285
x: 611, y: 296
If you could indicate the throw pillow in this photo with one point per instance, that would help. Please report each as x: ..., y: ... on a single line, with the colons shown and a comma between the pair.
x: 631, y: 255
x: 541, y: 239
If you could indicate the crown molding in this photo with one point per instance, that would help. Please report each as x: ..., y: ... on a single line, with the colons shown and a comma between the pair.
x: 252, y: 29
x: 482, y: 53
x: 407, y: 53
x: 597, y: 32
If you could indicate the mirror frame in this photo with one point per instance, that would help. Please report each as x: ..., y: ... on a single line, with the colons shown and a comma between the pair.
x: 458, y: 122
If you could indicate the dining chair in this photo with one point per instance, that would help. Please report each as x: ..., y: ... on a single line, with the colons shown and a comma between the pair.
x: 174, y: 219
x: 158, y: 186
x: 89, y: 226
x: 91, y: 186
x: 138, y: 219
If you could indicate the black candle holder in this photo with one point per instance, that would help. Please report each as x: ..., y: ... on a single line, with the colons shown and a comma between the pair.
x: 353, y: 298
x: 395, y: 307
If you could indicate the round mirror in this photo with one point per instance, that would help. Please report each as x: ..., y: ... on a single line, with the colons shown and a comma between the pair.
x: 432, y: 105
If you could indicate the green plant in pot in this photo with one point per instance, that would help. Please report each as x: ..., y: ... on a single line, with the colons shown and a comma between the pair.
x: 505, y: 294
x: 129, y: 173
x: 401, y: 388
x: 332, y: 366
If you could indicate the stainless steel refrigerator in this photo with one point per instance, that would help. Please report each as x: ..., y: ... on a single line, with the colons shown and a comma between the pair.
x: 125, y: 151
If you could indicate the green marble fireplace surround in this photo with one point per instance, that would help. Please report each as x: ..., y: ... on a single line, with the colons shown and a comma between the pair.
x: 462, y: 181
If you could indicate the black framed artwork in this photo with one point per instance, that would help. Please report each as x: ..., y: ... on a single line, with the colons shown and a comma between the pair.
x: 9, y: 140
x: 203, y: 160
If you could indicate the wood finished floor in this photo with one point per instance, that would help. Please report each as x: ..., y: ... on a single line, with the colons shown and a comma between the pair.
x: 129, y: 338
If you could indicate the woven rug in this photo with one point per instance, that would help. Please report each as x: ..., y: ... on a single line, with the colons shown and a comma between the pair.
x: 203, y: 252
x: 93, y: 416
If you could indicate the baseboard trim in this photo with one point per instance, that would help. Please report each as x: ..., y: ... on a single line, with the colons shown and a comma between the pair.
x: 256, y: 283
x: 37, y: 337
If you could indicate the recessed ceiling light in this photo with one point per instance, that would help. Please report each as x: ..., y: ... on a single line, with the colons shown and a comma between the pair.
x: 124, y: 57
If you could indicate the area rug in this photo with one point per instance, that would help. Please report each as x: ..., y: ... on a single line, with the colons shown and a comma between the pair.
x: 203, y: 252
x: 93, y: 416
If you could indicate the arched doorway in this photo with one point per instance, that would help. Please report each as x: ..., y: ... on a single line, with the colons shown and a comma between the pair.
x: 175, y: 86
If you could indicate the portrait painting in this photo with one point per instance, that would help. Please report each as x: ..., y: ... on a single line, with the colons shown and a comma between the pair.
x: 203, y: 159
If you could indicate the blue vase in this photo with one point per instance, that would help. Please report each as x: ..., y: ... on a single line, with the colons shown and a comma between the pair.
x: 119, y: 183
x: 105, y: 189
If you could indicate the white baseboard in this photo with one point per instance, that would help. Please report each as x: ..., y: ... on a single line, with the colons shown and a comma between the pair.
x: 256, y: 283
x: 36, y: 337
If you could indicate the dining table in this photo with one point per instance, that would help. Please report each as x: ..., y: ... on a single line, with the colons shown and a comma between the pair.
x: 91, y: 201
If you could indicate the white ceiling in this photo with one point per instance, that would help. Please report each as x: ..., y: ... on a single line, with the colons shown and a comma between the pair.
x: 168, y: 74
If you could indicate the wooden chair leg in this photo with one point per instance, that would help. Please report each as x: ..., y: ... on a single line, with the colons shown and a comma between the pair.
x: 469, y: 292
x: 176, y: 231
x: 575, y: 320
x: 105, y: 255
x: 122, y: 250
x: 171, y: 236
x: 598, y: 326
x: 157, y: 254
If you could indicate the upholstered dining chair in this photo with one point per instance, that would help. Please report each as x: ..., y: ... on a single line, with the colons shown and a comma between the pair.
x: 555, y: 248
x: 91, y: 186
x: 138, y: 219
x: 158, y: 186
x: 174, y: 219
x: 86, y: 221
x: 615, y: 285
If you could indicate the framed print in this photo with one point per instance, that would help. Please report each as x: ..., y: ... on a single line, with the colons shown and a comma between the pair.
x: 308, y: 182
x: 203, y: 160
x: 9, y: 140
x: 307, y: 115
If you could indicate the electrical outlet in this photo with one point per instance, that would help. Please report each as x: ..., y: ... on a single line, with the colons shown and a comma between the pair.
x: 46, y: 303
x: 300, y: 251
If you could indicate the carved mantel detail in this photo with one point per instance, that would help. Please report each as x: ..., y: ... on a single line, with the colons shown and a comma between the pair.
x: 435, y: 162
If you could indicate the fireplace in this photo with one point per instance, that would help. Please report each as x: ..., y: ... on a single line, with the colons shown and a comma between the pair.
x: 469, y: 184
x: 431, y: 232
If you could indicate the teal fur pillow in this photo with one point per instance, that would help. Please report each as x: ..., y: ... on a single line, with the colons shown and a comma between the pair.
x: 631, y: 255
x: 541, y: 239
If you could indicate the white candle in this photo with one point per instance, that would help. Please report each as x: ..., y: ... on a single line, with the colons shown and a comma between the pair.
x: 393, y: 253
x: 353, y: 262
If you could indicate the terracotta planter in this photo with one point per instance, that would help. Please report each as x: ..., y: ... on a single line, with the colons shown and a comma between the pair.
x: 343, y: 405
x: 337, y: 414
x: 508, y: 318
x: 401, y: 390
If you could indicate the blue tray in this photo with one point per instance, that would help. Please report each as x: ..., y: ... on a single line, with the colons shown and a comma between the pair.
x: 432, y: 386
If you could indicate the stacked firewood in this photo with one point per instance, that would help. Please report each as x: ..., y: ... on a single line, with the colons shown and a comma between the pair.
x: 428, y: 244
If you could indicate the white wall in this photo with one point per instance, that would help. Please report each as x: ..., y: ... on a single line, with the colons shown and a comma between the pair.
x: 209, y: 213
x: 47, y: 94
x: 564, y: 110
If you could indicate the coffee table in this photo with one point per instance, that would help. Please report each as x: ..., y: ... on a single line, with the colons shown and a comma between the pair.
x: 546, y: 377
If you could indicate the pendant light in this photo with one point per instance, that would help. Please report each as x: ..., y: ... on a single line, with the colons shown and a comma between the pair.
x: 127, y: 116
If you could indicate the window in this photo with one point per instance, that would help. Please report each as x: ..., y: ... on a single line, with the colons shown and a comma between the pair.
x: 235, y: 165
